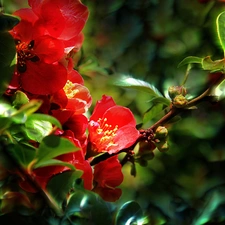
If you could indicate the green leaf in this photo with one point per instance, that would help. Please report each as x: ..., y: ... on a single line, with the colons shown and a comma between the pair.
x: 54, y: 162
x: 220, y: 25
x: 20, y: 98
x: 189, y: 60
x: 36, y: 129
x: 40, y: 125
x: 7, y: 59
x: 136, y: 84
x: 60, y: 185
x: 158, y: 105
x: 53, y: 146
x: 7, y: 22
x: 86, y: 207
x: 31, y: 107
x: 5, y: 123
x: 22, y: 154
x: 129, y: 213
x: 213, y: 66
x: 45, y: 117
x: 6, y: 110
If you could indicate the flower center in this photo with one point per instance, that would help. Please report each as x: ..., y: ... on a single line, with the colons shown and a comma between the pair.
x: 105, y: 134
x: 25, y: 52
x: 70, y: 89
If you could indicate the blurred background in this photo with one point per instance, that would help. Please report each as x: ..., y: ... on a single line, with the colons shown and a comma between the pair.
x: 146, y: 39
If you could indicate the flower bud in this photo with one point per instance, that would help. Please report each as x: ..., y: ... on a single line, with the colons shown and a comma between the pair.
x: 161, y: 132
x: 180, y: 101
x: 163, y: 146
x: 173, y: 91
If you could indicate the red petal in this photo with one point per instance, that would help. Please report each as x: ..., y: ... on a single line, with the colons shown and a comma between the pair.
x: 59, y: 98
x: 49, y: 49
x: 26, y: 14
x: 125, y: 137
x: 75, y: 77
x: 101, y: 106
x: 108, y: 194
x: 119, y: 115
x: 74, y: 13
x: 108, y: 173
x: 23, y: 31
x: 74, y: 43
x: 41, y: 78
x: 81, y: 101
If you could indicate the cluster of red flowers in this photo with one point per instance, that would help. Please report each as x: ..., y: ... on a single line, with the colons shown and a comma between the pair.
x: 48, y: 31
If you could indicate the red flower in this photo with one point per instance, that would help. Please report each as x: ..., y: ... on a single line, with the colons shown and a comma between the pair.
x: 37, y: 57
x: 46, y: 32
x: 111, y: 127
x: 74, y: 96
x: 108, y: 175
x: 62, y: 19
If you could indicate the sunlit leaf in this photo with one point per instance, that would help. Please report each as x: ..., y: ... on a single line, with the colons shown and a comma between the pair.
x: 36, y: 129
x: 213, y: 66
x: 86, y: 207
x: 129, y: 213
x: 53, y: 146
x: 60, y: 185
x: 136, y: 84
x: 53, y: 162
x: 20, y: 98
x: 220, y: 24
x: 190, y: 60
x: 40, y: 125
x: 45, y: 117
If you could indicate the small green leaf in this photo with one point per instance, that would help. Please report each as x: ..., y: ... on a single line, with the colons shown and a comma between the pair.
x: 20, y: 98
x: 54, y: 162
x: 40, y: 125
x: 61, y: 184
x: 129, y: 213
x: 189, y: 60
x: 154, y: 111
x: 53, y: 146
x: 213, y: 66
x: 45, y: 117
x: 136, y: 84
x: 37, y: 129
x: 220, y: 25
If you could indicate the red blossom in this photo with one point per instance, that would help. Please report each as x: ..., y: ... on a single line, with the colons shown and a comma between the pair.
x: 74, y: 96
x: 47, y: 31
x: 111, y: 127
x: 62, y: 19
x: 108, y: 175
